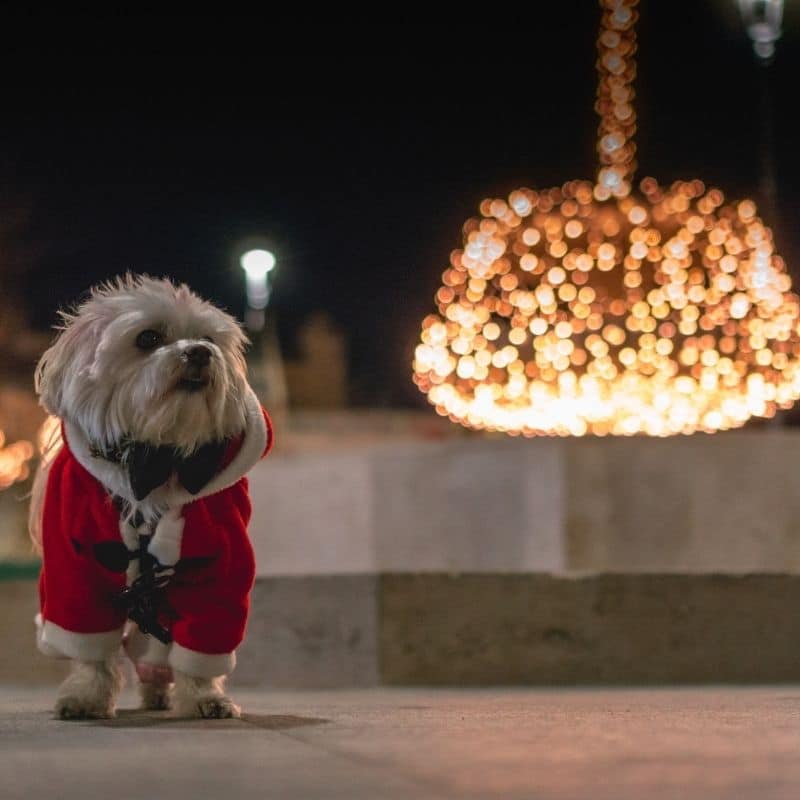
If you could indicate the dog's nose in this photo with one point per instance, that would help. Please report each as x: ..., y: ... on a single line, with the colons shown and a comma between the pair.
x: 197, y: 355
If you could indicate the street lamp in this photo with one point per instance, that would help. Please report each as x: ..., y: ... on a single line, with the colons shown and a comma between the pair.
x: 265, y: 361
x: 762, y: 18
x: 257, y: 264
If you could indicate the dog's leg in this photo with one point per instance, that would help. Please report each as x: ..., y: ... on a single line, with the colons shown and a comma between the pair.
x: 156, y: 696
x: 90, y: 690
x: 203, y: 697
x: 149, y: 659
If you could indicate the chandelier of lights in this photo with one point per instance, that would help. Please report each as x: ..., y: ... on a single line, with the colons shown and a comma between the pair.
x: 592, y: 308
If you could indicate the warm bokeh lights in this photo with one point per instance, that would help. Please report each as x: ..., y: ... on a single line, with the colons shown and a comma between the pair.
x: 667, y: 313
x: 589, y: 309
x: 616, y: 70
x: 14, y: 460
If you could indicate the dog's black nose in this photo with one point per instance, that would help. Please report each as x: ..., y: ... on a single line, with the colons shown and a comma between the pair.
x: 198, y: 355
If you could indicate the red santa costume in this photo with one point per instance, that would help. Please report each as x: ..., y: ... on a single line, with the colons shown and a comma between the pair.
x: 198, y: 541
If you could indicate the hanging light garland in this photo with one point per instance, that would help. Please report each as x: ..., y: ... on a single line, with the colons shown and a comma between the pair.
x: 591, y: 308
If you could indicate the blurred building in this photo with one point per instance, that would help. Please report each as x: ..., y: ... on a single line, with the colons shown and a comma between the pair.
x: 317, y: 378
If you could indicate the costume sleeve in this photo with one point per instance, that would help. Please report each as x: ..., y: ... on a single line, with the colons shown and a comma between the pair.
x: 212, y: 607
x: 76, y: 591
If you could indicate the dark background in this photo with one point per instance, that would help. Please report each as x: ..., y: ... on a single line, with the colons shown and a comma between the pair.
x: 159, y: 144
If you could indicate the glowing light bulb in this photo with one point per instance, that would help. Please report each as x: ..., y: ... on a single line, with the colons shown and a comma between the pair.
x: 257, y: 264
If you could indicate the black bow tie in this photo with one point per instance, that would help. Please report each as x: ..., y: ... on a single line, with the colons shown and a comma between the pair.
x: 149, y: 466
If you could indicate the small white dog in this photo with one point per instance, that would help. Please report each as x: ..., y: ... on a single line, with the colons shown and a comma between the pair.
x: 141, y: 507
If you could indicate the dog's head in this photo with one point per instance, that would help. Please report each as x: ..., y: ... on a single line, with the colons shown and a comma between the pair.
x: 146, y: 359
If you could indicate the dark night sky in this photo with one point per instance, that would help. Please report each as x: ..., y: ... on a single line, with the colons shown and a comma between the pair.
x: 135, y: 142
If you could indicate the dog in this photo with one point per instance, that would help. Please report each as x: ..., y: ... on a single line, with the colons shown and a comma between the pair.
x: 140, y: 507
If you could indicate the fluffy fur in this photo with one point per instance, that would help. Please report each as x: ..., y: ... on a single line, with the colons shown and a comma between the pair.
x: 96, y: 378
x: 90, y: 690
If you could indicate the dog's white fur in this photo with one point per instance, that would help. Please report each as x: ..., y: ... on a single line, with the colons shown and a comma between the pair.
x: 90, y: 690
x: 95, y: 379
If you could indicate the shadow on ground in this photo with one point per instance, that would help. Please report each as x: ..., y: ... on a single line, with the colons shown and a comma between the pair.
x: 132, y: 718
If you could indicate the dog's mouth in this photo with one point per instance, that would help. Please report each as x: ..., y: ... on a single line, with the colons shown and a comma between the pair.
x: 194, y: 380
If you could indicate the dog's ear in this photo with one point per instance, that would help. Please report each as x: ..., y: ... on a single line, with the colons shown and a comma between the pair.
x: 74, y: 348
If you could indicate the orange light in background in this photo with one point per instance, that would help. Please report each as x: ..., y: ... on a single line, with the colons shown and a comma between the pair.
x: 587, y: 308
x: 14, y: 460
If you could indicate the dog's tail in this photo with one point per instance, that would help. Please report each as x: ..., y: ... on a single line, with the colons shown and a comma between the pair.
x: 50, y: 443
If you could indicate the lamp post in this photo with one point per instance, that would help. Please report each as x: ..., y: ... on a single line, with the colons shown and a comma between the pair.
x: 266, y: 364
x: 762, y: 18
x: 257, y: 265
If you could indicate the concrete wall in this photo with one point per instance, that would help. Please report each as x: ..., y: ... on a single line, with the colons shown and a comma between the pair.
x: 389, y: 558
x: 723, y: 503
x: 488, y: 629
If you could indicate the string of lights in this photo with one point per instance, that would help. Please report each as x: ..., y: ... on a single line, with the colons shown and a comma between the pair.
x: 596, y: 308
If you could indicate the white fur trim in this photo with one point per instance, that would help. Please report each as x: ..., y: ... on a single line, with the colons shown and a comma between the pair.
x: 253, y: 446
x: 201, y: 665
x: 45, y: 647
x: 166, y: 542
x: 53, y: 640
x: 130, y: 538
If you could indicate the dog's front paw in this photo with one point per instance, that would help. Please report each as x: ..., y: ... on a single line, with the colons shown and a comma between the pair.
x: 203, y: 697
x: 77, y: 707
x: 218, y: 708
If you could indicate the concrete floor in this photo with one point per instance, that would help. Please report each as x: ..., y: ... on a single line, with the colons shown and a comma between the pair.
x: 586, y: 744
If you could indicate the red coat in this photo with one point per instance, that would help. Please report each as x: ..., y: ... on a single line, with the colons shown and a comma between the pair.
x: 208, y: 596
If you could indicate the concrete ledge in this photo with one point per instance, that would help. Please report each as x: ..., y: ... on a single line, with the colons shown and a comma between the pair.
x: 490, y: 629
x: 311, y: 632
x: 604, y: 629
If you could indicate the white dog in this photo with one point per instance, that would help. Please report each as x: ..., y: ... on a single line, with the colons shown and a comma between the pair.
x: 141, y: 508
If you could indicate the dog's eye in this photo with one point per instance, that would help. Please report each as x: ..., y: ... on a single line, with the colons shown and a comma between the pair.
x: 208, y: 339
x: 149, y: 340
